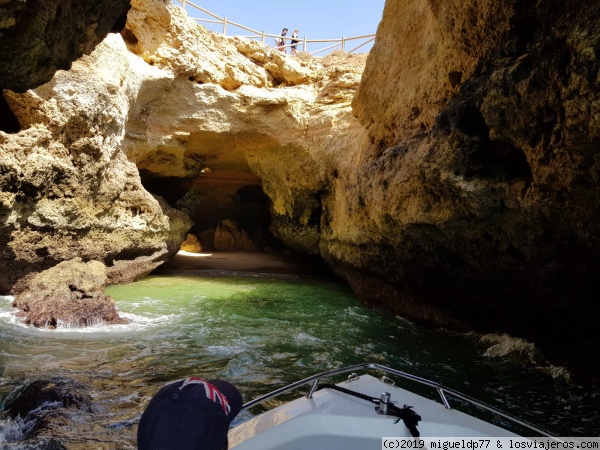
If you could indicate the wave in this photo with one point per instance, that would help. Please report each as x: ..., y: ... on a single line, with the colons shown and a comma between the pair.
x: 136, y: 322
x: 15, y: 430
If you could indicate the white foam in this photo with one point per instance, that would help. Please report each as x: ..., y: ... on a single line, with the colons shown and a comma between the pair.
x: 14, y: 430
x: 305, y: 337
x: 225, y: 350
x: 136, y: 322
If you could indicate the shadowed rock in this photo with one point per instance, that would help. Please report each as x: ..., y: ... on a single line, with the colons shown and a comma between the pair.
x: 37, y: 38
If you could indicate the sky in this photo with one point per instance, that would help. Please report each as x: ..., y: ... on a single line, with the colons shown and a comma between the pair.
x: 315, y: 19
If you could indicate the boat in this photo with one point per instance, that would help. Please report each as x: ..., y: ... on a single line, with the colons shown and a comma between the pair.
x: 363, y: 410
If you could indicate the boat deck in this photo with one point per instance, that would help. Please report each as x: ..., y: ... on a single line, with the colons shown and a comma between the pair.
x: 335, y: 420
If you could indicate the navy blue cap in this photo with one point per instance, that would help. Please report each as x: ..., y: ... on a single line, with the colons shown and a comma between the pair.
x: 190, y: 414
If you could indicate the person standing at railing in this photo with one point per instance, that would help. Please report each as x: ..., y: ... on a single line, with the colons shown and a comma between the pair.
x: 295, y: 41
x: 281, y: 41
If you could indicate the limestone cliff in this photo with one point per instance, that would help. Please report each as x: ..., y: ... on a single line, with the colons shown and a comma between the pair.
x: 477, y: 198
x: 206, y: 120
x: 236, y: 114
x: 66, y: 187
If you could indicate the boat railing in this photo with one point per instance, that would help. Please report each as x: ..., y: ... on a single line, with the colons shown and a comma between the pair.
x: 442, y: 391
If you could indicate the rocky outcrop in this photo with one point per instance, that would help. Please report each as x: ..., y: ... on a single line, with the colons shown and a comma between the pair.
x: 173, y: 103
x: 229, y: 236
x: 69, y: 295
x: 66, y: 187
x: 475, y: 201
x: 37, y: 38
x: 38, y: 406
x: 191, y: 244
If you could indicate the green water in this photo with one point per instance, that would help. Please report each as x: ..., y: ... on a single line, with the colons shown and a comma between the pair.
x: 261, y: 332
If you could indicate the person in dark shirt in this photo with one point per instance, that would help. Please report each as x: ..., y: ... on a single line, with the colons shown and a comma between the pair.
x: 295, y: 41
x: 281, y: 40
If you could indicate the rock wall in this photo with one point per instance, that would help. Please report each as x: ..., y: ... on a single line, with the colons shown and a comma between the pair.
x: 39, y: 37
x: 476, y: 199
x: 67, y: 188
x: 237, y: 108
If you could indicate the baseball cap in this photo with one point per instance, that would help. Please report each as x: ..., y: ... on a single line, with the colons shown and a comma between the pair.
x: 189, y: 414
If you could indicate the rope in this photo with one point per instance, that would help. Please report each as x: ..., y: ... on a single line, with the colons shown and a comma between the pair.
x: 406, y: 413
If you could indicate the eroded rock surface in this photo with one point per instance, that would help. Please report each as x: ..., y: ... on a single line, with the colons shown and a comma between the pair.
x: 37, y: 38
x: 477, y: 198
x: 67, y: 188
x: 190, y: 111
x: 68, y: 295
x: 238, y: 114
x: 229, y: 236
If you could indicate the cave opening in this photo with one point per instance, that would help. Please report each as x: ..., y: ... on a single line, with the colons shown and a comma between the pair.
x: 229, y: 208
x: 497, y: 159
x: 8, y: 121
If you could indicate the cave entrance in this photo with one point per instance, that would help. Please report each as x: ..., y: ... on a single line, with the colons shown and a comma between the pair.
x: 8, y: 121
x: 229, y: 208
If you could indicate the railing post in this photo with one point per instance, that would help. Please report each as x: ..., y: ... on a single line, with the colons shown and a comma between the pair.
x: 225, y: 26
x: 183, y: 2
x: 313, y: 388
x: 305, y: 44
x: 263, y: 36
x: 343, y: 44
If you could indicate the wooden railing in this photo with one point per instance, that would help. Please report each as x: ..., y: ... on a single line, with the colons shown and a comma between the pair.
x: 262, y: 36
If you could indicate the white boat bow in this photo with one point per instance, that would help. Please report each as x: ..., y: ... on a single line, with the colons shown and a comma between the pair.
x: 337, y: 419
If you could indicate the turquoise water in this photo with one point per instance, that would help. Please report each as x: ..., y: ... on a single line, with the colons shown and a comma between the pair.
x: 261, y: 332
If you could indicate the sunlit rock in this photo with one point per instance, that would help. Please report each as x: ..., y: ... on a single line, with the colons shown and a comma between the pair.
x: 240, y: 108
x: 191, y: 244
x: 67, y: 188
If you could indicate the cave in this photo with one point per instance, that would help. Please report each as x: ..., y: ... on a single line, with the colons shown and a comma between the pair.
x: 219, y: 199
x: 8, y: 122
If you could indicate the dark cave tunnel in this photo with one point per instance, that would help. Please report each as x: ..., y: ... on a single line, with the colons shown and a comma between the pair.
x: 212, y: 199
x: 8, y: 122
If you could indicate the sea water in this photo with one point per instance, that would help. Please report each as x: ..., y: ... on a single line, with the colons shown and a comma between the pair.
x: 261, y: 332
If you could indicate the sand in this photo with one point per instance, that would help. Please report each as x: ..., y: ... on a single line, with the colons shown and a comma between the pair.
x: 247, y: 261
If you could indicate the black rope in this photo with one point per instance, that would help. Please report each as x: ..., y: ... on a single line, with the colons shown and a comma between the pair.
x: 406, y: 413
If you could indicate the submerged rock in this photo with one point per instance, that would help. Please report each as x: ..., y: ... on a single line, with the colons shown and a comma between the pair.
x: 68, y: 295
x: 40, y: 396
x: 34, y: 407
